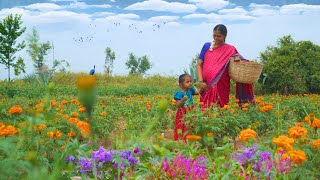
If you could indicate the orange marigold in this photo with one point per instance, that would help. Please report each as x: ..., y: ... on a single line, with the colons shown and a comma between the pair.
x: 15, y: 110
x: 316, y: 144
x: 54, y: 103
x: 103, y: 114
x: 210, y: 134
x: 82, y: 109
x: 192, y: 138
x: 316, y: 123
x: 297, y: 131
x: 284, y: 141
x: 73, y: 120
x: 298, y: 157
x: 7, y: 130
x: 84, y: 128
x: 247, y: 134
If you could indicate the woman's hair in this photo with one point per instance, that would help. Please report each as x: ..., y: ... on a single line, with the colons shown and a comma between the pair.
x: 182, y: 76
x: 221, y: 28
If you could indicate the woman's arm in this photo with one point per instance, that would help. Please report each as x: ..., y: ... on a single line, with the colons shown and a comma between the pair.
x: 203, y: 85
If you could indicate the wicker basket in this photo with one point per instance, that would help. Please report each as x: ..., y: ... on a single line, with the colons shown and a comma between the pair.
x: 246, y: 72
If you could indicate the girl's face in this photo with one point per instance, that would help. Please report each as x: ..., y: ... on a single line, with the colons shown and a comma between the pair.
x: 187, y: 83
x: 218, y: 37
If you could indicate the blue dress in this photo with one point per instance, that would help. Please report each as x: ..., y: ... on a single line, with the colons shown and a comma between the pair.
x: 180, y: 94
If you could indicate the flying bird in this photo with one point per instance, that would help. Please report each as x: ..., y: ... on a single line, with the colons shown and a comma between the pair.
x: 92, y: 70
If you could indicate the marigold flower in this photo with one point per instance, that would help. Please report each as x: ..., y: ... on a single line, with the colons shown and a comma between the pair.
x: 316, y: 144
x: 247, y: 134
x: 7, y: 130
x: 298, y: 157
x: 56, y: 134
x: 75, y: 114
x: 103, y: 114
x: 73, y: 120
x: 86, y: 83
x: 192, y: 138
x: 284, y: 142
x: 82, y: 109
x: 53, y: 103
x: 15, y: 110
x: 297, y: 131
x: 316, y: 123
x: 210, y: 134
x: 84, y: 128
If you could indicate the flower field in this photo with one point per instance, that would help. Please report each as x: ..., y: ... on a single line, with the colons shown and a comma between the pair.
x: 92, y: 127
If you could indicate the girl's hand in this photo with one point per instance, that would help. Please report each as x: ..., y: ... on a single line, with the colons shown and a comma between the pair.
x: 184, y: 98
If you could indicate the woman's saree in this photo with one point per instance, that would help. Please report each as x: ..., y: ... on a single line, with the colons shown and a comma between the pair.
x: 215, y: 73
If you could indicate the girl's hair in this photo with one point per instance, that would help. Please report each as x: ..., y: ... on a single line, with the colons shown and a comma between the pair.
x: 182, y: 76
x: 221, y: 28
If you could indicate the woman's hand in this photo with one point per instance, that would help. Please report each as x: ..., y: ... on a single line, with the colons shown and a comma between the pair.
x: 203, y: 87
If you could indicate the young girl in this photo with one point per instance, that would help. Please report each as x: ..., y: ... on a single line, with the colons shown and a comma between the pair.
x: 184, y: 102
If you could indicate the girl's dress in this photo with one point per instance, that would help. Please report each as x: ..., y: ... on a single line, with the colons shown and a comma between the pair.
x: 180, y: 129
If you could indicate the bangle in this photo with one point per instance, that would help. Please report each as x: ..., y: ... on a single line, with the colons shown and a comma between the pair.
x: 201, y: 81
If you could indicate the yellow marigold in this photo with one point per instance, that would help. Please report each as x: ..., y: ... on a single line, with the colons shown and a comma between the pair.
x: 246, y: 134
x: 84, y: 128
x: 15, y: 110
x: 8, y: 130
x: 82, y: 109
x: 284, y: 142
x: 316, y: 144
x: 65, y: 116
x: 39, y: 128
x: 210, y: 134
x: 297, y: 131
x: 316, y: 123
x: 86, y: 83
x: 192, y: 138
x: 298, y: 157
x: 56, y: 134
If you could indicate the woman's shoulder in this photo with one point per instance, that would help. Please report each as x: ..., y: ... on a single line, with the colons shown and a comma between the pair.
x: 229, y: 46
x: 207, y: 44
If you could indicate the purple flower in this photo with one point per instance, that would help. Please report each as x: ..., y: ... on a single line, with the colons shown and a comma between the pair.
x: 137, y: 151
x: 70, y: 158
x: 89, y: 143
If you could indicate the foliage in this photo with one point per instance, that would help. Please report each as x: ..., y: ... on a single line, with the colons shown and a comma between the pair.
x: 37, y: 50
x: 291, y: 67
x: 10, y: 31
x: 138, y: 65
x: 108, y: 62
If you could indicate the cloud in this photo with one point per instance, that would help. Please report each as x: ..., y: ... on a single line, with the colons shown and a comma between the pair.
x: 234, y: 11
x: 160, y: 5
x: 300, y: 9
x: 210, y: 5
x: 263, y: 10
x: 82, y: 5
x: 235, y: 14
x: 43, y: 6
x: 163, y: 18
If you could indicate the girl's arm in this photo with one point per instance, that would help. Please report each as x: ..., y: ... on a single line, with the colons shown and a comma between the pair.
x: 179, y: 103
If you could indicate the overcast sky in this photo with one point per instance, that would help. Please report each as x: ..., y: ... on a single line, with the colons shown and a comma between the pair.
x: 170, y: 33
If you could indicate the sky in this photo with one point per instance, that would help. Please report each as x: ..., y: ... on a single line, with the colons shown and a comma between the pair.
x: 170, y: 33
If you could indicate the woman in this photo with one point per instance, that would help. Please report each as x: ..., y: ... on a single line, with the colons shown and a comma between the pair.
x: 212, y: 69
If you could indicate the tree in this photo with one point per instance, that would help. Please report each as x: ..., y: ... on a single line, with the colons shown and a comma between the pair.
x: 108, y: 62
x: 138, y: 65
x: 37, y: 50
x: 291, y: 67
x: 10, y: 31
